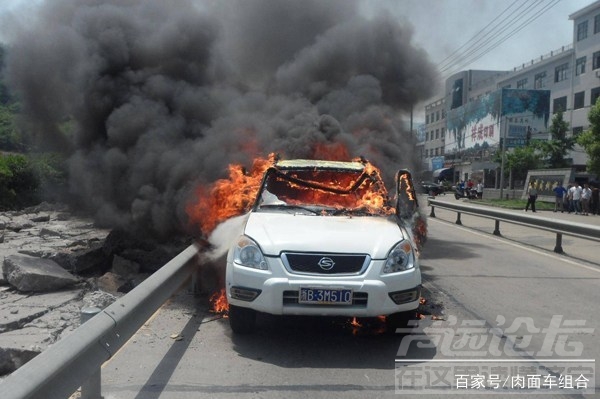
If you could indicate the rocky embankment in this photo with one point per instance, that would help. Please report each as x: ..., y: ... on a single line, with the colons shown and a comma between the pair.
x: 54, y: 264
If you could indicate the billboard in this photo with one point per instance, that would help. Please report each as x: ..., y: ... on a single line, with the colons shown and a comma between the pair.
x: 515, y: 114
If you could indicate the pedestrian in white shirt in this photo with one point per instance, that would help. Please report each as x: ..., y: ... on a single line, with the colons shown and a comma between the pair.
x: 575, y: 192
x: 586, y: 195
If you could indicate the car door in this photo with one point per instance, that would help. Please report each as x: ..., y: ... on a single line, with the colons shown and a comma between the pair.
x: 406, y: 196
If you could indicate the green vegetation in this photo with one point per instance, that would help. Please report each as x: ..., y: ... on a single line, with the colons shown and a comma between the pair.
x: 514, y: 203
x: 590, y: 140
x: 25, y: 176
x: 18, y: 183
x: 555, y: 150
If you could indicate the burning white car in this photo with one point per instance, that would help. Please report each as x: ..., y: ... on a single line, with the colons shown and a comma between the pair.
x: 324, y: 239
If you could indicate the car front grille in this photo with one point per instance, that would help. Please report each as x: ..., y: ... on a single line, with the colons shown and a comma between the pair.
x: 309, y: 263
x: 359, y: 299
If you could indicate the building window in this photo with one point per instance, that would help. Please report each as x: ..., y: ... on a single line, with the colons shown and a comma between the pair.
x: 437, y: 134
x: 437, y: 115
x: 506, y: 87
x: 595, y: 95
x: 578, y: 100
x: 597, y: 24
x: 560, y: 73
x: 437, y: 152
x: 441, y: 150
x: 443, y: 114
x: 443, y: 134
x: 521, y: 84
x: 577, y: 130
x: 540, y: 80
x: 427, y: 119
x: 596, y: 60
x: 559, y: 104
x: 580, y: 66
x: 582, y: 30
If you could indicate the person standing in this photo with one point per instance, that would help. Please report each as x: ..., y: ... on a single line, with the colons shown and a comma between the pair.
x: 560, y: 191
x: 576, y: 197
x: 595, y: 200
x: 480, y: 190
x: 586, y: 196
x: 532, y: 196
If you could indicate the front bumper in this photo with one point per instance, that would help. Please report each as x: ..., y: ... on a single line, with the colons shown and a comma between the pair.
x: 277, y: 290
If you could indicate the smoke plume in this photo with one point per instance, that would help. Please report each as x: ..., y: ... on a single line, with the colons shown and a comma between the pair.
x: 152, y: 98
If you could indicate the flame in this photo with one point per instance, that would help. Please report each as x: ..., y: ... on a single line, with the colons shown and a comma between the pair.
x: 375, y: 326
x: 355, y: 323
x: 218, y: 302
x: 330, y: 151
x: 235, y: 195
x: 227, y: 197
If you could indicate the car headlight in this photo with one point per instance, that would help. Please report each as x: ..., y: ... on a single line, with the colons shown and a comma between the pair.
x: 247, y: 253
x: 400, y: 258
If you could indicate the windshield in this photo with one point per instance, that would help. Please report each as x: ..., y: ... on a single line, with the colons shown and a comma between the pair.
x: 327, y: 189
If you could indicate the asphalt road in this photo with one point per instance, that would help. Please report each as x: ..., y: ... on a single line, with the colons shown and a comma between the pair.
x: 524, y: 303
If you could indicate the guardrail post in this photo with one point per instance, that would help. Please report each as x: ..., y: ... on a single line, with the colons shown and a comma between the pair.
x: 432, y: 214
x: 458, y: 218
x: 558, y: 247
x: 497, y: 228
x: 92, y: 388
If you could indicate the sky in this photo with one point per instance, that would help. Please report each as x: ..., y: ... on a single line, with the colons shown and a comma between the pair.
x: 443, y: 26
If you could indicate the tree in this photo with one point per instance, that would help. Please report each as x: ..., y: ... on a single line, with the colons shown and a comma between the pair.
x: 521, y: 160
x: 555, y: 150
x: 590, y: 139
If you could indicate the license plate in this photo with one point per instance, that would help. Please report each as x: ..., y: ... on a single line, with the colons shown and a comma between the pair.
x: 325, y: 296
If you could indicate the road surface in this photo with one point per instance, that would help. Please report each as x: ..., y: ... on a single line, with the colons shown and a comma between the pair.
x: 529, y: 305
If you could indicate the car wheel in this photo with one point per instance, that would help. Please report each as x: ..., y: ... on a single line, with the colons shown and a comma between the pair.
x: 242, y: 320
x: 400, y: 320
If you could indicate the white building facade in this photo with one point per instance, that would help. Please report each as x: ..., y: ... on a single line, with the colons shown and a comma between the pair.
x: 571, y: 74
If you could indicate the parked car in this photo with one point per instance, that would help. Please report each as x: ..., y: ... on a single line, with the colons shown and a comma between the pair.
x: 324, y: 239
x: 431, y: 188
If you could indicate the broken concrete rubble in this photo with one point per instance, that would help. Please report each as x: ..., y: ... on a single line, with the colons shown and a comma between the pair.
x: 94, y: 261
x: 30, y: 274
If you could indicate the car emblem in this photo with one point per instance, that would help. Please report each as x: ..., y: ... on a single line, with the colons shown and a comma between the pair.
x: 326, y: 263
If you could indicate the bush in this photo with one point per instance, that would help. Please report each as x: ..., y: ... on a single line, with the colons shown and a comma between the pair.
x: 24, y: 178
x: 18, y: 183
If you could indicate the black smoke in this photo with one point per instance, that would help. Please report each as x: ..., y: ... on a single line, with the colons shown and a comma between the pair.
x: 151, y: 98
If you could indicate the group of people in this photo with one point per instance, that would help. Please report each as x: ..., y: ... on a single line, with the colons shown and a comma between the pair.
x: 573, y: 199
x: 577, y: 199
x: 471, y: 187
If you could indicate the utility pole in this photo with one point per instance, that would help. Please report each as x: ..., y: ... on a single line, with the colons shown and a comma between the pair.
x: 502, y: 152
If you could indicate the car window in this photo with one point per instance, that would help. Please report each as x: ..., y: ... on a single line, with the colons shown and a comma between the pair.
x: 338, y: 189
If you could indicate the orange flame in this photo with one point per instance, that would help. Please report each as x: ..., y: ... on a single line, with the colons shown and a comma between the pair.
x: 235, y: 195
x: 227, y: 197
x: 218, y: 302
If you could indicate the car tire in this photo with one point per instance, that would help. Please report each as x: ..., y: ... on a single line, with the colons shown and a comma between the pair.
x: 242, y: 320
x: 400, y: 320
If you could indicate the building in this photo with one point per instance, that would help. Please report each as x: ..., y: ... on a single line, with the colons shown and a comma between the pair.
x: 571, y: 74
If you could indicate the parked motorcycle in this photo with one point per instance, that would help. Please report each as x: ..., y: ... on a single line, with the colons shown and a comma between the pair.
x: 465, y: 193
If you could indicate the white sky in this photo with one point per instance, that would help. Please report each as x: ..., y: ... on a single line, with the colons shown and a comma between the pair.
x: 442, y: 26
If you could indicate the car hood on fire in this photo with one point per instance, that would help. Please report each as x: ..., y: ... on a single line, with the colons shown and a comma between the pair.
x: 276, y: 232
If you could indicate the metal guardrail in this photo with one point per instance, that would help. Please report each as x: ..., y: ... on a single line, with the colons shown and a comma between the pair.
x: 76, y: 360
x: 559, y: 227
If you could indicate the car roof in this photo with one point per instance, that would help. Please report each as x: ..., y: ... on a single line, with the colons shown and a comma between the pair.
x: 319, y: 164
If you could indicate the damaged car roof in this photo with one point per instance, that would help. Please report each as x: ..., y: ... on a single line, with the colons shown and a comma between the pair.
x: 319, y: 164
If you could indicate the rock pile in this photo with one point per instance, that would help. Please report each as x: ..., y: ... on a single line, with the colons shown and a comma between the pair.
x: 55, y: 263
